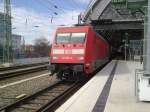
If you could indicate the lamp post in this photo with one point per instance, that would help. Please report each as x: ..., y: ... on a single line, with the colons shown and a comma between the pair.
x: 125, y: 45
x: 125, y: 50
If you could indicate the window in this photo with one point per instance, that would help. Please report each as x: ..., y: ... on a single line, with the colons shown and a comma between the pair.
x: 77, y: 37
x: 70, y: 37
x: 63, y: 38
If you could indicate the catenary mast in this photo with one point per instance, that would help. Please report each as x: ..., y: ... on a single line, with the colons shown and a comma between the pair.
x: 7, y: 46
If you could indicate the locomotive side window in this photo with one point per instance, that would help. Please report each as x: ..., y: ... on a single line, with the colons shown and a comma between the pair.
x: 63, y: 38
x: 78, y: 37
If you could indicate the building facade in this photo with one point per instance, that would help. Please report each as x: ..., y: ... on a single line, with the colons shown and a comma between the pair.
x: 16, y: 42
x: 16, y: 45
x: 2, y: 36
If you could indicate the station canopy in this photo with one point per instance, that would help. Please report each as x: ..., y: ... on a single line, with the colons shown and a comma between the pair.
x: 110, y: 16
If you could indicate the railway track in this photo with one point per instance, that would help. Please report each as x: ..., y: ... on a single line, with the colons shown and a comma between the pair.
x: 16, y: 71
x: 21, y: 66
x: 46, y: 100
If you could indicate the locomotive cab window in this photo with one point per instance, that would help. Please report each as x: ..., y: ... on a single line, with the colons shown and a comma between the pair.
x: 70, y: 37
x: 78, y: 37
x: 63, y: 38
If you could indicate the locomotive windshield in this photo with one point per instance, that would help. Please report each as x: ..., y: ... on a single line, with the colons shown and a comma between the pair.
x: 77, y: 37
x: 70, y: 37
x: 63, y: 37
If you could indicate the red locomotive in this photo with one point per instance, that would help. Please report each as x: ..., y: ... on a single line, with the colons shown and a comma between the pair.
x: 77, y: 51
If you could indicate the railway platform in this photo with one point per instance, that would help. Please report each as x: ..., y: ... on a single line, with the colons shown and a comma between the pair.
x: 110, y: 90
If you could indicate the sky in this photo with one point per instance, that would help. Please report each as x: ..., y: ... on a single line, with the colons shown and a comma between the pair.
x: 39, y: 18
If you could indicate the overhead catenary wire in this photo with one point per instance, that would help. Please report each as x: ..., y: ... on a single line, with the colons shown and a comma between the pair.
x: 46, y: 6
x: 31, y: 17
x: 26, y: 20
x: 56, y: 6
x: 49, y: 9
x: 57, y: 12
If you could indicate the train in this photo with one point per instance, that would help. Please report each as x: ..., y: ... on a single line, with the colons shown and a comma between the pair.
x: 77, y: 51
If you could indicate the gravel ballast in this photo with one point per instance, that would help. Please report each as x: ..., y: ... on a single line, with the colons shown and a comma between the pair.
x: 9, y: 94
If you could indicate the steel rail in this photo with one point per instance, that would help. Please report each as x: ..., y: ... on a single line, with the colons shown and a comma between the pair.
x: 21, y: 66
x: 51, y: 95
x: 55, y: 98
x: 54, y: 104
x: 22, y: 71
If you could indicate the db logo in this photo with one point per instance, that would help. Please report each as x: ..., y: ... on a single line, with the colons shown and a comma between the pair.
x: 67, y: 51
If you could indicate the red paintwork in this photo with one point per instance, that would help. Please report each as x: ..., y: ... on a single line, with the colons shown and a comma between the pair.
x: 95, y: 48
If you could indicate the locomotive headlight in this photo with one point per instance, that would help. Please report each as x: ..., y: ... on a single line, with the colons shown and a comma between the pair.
x: 77, y: 51
x: 81, y: 58
x: 54, y: 57
x: 58, y: 51
x: 87, y: 64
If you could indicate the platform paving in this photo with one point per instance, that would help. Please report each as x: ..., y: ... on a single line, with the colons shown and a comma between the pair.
x: 121, y: 97
x: 85, y: 99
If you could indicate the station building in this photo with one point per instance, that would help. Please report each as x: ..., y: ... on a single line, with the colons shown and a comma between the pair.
x: 121, y: 22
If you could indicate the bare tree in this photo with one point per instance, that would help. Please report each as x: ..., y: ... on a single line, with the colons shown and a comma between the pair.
x: 41, y: 47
